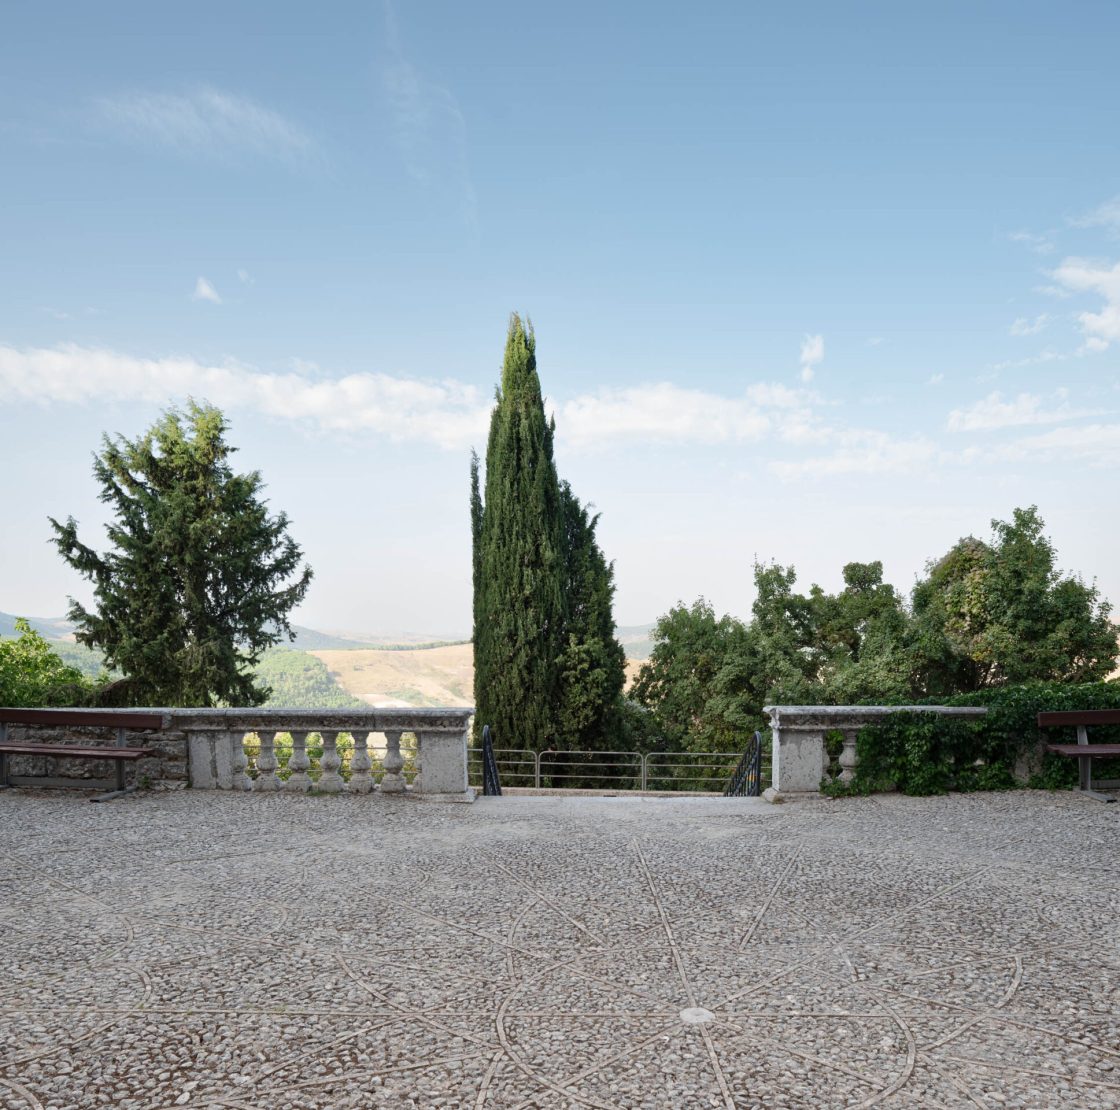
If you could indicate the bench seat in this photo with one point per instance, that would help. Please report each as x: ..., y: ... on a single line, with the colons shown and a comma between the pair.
x: 73, y: 751
x: 1084, y: 749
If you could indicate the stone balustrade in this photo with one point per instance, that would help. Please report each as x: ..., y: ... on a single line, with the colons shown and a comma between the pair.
x: 423, y: 751
x: 801, y: 760
x: 221, y: 743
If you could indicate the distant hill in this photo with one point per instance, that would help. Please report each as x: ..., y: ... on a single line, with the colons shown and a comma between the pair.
x: 50, y: 628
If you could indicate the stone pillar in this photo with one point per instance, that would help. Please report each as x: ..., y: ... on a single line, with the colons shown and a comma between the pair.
x: 210, y: 759
x: 798, y: 756
x: 444, y: 763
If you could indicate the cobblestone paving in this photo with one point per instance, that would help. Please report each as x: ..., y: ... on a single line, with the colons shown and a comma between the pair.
x: 274, y: 952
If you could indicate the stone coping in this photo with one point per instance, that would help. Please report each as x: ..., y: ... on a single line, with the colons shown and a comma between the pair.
x: 818, y: 714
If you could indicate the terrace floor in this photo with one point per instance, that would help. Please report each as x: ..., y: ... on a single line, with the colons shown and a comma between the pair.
x: 273, y: 952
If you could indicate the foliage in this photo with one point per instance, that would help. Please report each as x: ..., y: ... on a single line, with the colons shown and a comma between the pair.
x: 923, y: 754
x: 548, y: 671
x: 592, y: 665
x: 988, y: 614
x: 192, y: 590
x: 32, y: 675
x: 297, y: 680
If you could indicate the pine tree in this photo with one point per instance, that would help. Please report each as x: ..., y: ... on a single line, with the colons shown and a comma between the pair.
x: 548, y: 669
x: 193, y: 589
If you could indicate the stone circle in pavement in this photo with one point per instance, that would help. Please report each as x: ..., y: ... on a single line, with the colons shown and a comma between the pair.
x: 209, y: 949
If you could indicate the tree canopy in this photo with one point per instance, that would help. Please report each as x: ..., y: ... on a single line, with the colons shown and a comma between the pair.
x: 985, y: 614
x: 31, y: 674
x: 199, y: 578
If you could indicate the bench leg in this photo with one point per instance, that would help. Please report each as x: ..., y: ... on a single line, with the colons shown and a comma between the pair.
x: 1085, y: 780
x: 121, y: 789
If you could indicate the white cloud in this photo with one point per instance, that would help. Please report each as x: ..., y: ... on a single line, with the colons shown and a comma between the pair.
x: 1096, y: 445
x: 812, y: 355
x: 666, y: 413
x: 1023, y: 326
x: 448, y: 414
x: 875, y: 341
x: 1084, y: 275
x: 935, y: 379
x: 204, y: 291
x: 1039, y: 243
x: 244, y: 277
x: 1104, y: 215
x: 205, y: 121
x: 862, y: 451
x: 993, y: 412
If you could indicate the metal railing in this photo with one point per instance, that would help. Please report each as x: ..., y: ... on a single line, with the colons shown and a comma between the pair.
x: 746, y: 780
x: 698, y: 772
x: 491, y: 784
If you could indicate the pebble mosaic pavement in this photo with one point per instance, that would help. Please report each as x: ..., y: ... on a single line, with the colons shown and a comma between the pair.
x: 276, y: 952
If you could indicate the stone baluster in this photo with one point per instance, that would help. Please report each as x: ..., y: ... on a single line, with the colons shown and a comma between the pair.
x: 330, y: 781
x: 848, y: 757
x: 361, y: 781
x: 266, y: 763
x: 299, y: 782
x: 826, y: 760
x: 239, y: 762
x: 392, y: 782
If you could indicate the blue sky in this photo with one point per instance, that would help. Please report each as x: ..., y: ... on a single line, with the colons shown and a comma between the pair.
x: 812, y: 282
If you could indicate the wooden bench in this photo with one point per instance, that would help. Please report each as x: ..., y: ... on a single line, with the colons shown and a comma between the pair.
x: 1083, y: 751
x: 119, y: 755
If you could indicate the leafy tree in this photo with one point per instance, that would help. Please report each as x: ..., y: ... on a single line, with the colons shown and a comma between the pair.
x: 199, y: 579
x: 298, y: 680
x: 31, y: 674
x: 518, y: 559
x: 1000, y: 612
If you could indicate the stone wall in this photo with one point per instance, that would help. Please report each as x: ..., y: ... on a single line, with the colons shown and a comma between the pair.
x: 167, y: 767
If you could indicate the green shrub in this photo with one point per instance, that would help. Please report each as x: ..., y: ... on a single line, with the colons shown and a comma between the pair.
x: 924, y: 754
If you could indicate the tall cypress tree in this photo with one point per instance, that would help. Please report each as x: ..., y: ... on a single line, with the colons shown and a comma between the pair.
x: 519, y: 566
x: 592, y: 666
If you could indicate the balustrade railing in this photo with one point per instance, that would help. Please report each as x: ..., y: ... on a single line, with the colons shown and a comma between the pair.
x: 695, y: 772
x: 330, y: 751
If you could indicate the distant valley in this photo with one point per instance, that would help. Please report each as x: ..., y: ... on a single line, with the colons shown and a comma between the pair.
x: 323, y: 669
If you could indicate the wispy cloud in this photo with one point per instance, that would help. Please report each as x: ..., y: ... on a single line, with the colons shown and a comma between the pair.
x: 1084, y: 275
x: 1105, y: 215
x: 861, y: 451
x: 812, y: 355
x: 1024, y: 326
x: 993, y: 412
x: 429, y: 127
x: 1095, y: 445
x: 1039, y: 242
x: 448, y: 414
x: 206, y: 121
x: 935, y: 379
x: 204, y: 291
x: 666, y: 413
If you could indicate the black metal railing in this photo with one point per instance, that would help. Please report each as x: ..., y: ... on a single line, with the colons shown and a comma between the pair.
x: 746, y: 779
x: 491, y: 784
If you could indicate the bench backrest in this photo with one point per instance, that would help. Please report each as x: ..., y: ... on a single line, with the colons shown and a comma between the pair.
x: 1080, y: 717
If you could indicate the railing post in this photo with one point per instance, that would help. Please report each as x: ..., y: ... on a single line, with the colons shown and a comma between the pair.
x: 299, y: 782
x: 361, y: 781
x: 392, y: 782
x: 645, y: 770
x: 267, y: 763
x: 537, y: 770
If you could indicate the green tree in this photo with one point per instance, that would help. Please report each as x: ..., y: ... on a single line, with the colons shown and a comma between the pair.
x: 519, y: 561
x: 1001, y: 612
x: 592, y: 665
x: 549, y: 672
x: 31, y: 674
x: 199, y: 579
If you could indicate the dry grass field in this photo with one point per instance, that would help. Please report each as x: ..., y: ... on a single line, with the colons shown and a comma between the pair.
x: 413, y: 677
